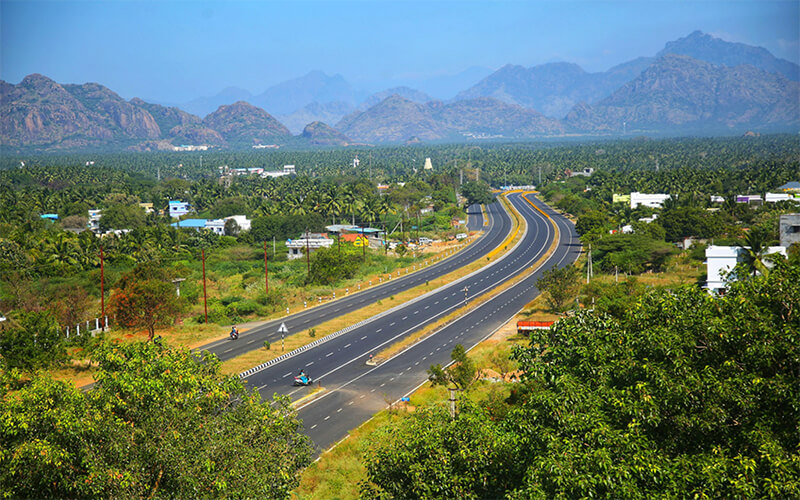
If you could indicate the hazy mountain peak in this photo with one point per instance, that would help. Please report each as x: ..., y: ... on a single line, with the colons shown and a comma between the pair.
x: 705, y: 47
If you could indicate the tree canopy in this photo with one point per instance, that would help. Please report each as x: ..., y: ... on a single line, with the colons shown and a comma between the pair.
x: 682, y: 394
x: 159, y: 423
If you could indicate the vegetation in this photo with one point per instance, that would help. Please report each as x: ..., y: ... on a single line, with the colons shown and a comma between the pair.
x: 158, y: 423
x: 559, y: 285
x: 681, y: 395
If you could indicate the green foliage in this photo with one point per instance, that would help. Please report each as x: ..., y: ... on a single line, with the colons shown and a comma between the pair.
x: 328, y: 266
x: 430, y: 455
x: 34, y: 343
x: 631, y: 253
x: 476, y: 192
x: 121, y: 216
x: 684, y: 222
x: 592, y: 221
x: 681, y: 394
x: 560, y: 284
x: 461, y: 373
x: 158, y: 423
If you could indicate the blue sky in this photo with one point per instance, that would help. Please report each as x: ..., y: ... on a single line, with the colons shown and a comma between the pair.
x: 173, y: 51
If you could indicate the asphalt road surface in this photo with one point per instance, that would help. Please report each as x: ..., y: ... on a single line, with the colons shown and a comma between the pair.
x: 355, y: 390
x: 498, y: 228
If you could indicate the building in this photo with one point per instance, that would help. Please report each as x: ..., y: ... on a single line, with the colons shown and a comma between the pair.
x: 721, y: 260
x: 789, y: 227
x: 94, y: 220
x: 749, y: 198
x: 778, y: 197
x: 147, y: 207
x: 428, y: 164
x: 586, y: 172
x: 197, y: 224
x: 648, y: 200
x: 295, y: 249
x: 717, y: 199
x: 790, y: 187
x: 190, y: 147
x: 287, y: 170
x: 620, y: 198
x: 53, y: 217
x: 178, y: 208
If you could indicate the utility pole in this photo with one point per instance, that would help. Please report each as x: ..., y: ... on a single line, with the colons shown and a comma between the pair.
x: 273, y: 247
x: 540, y: 177
x: 363, y: 246
x: 589, y: 272
x: 266, y: 270
x: 205, y: 295
x: 308, y: 256
x: 102, y: 286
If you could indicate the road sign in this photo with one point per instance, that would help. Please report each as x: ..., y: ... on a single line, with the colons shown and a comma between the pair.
x: 361, y: 242
x: 283, y: 329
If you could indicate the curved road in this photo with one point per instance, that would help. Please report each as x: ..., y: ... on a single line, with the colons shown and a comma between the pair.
x: 498, y: 229
x: 356, y: 390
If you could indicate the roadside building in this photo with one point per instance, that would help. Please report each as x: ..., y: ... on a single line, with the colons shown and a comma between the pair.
x: 720, y: 260
x: 620, y: 198
x: 94, y: 220
x: 295, y: 249
x: 790, y: 187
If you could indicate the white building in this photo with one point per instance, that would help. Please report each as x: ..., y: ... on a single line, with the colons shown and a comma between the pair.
x: 721, y: 260
x: 296, y: 248
x: 648, y: 200
x: 428, y: 164
x: 287, y: 170
x: 717, y: 199
x: 178, y: 208
x: 218, y: 225
x: 776, y: 197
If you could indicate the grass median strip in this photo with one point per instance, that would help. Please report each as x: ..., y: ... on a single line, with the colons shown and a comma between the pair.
x: 262, y: 355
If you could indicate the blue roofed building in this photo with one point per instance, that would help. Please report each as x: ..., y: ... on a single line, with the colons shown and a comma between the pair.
x: 197, y: 224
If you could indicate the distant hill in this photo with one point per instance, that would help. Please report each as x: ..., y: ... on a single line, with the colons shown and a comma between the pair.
x: 40, y: 113
x: 397, y: 119
x: 552, y: 88
x: 681, y: 93
x: 404, y: 92
x: 243, y: 123
x: 291, y: 95
x: 320, y: 134
x: 705, y: 47
x: 202, y: 106
x: 329, y: 112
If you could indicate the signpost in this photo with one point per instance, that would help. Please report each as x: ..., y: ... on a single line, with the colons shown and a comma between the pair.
x: 283, y: 331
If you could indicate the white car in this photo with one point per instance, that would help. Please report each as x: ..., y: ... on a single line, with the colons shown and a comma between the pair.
x: 425, y: 241
x: 461, y: 236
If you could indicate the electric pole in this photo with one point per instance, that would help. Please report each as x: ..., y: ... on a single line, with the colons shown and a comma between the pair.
x: 266, y: 270
x: 205, y: 295
x: 102, y: 285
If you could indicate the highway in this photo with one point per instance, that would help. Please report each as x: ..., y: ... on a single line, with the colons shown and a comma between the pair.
x: 499, y: 226
x: 355, y: 390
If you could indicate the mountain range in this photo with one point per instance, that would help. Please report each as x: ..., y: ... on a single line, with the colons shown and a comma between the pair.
x: 696, y: 84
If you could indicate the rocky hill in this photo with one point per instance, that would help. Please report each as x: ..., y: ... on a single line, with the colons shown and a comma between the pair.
x: 396, y: 119
x: 552, y: 88
x: 705, y: 47
x: 329, y: 112
x: 682, y: 93
x: 320, y: 134
x: 243, y: 123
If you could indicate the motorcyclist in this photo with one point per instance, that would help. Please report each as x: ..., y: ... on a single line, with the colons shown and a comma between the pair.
x: 234, y: 332
x: 302, y: 376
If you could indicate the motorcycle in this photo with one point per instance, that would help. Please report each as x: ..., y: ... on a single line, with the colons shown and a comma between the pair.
x: 303, y: 380
x: 234, y: 334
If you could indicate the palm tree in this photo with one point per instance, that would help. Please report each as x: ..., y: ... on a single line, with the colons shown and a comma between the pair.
x: 755, y: 248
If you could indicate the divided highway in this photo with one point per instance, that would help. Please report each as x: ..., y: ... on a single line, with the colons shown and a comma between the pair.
x: 356, y: 390
x: 498, y: 228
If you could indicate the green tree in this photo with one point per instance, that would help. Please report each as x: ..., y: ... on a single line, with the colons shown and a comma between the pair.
x: 159, y: 423
x: 121, y: 216
x: 34, y: 342
x: 328, y: 266
x: 461, y: 373
x: 560, y: 284
x: 145, y: 298
x: 476, y: 192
